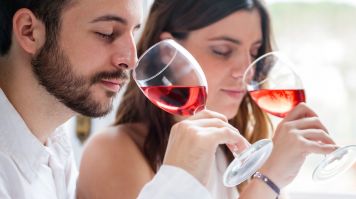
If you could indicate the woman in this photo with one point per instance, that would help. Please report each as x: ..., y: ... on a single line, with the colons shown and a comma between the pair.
x: 224, y: 36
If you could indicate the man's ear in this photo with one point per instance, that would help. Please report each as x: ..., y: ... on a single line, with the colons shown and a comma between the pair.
x: 165, y: 35
x: 29, y: 31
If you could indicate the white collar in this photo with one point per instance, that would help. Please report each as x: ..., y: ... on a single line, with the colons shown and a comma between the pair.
x: 17, y: 141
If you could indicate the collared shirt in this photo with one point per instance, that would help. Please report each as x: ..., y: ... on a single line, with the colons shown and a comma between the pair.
x: 30, y: 170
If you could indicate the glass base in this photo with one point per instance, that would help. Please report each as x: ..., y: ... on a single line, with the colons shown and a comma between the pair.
x: 335, y: 163
x: 247, y: 163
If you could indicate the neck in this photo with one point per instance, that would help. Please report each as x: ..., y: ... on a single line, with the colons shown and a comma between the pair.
x: 42, y: 112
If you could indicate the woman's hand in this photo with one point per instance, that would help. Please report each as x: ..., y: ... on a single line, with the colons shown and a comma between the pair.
x: 193, y: 142
x: 299, y: 134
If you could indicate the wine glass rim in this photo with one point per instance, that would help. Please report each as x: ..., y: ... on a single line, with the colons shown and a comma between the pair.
x: 178, y: 47
x: 144, y: 54
x: 279, y: 54
x: 163, y: 69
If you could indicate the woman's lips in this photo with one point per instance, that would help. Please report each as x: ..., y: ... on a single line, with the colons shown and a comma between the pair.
x: 234, y: 93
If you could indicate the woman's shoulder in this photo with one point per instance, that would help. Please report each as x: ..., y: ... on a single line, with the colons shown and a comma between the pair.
x: 110, y: 158
x: 125, y: 138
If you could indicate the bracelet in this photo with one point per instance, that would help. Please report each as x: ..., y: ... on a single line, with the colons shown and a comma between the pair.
x: 268, y: 182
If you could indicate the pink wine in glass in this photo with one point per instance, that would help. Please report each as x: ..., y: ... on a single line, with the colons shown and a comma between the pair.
x: 181, y: 100
x: 278, y: 102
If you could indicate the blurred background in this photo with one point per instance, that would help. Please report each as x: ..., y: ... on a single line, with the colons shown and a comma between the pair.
x: 319, y: 36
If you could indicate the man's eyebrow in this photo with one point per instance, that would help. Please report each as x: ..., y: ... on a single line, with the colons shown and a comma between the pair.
x: 110, y: 18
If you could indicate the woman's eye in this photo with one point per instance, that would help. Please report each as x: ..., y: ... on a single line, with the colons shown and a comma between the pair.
x: 254, y: 52
x: 221, y: 52
x: 254, y: 56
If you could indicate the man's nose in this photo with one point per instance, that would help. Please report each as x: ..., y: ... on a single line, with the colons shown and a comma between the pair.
x: 125, y: 57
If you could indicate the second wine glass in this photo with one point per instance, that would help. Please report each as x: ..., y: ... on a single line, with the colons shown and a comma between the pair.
x: 171, y: 78
x: 277, y: 89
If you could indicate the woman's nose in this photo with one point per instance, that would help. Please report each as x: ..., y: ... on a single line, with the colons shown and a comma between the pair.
x: 240, y: 66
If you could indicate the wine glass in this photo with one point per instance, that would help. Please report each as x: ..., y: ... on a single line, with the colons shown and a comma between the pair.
x: 277, y: 89
x: 172, y: 79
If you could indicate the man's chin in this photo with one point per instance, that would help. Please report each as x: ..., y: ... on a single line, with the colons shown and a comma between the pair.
x: 95, y: 109
x: 110, y: 94
x: 93, y: 104
x: 95, y: 113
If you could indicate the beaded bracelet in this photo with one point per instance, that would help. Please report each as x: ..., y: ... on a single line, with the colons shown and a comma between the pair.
x: 268, y: 181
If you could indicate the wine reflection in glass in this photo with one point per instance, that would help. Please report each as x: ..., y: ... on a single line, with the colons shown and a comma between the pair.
x: 172, y: 79
x: 277, y: 89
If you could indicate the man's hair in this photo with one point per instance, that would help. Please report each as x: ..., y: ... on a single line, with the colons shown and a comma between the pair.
x: 48, y: 11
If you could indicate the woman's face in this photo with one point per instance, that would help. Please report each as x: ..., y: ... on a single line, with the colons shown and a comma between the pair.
x: 224, y: 50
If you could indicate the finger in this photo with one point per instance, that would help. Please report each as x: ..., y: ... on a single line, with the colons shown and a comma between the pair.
x: 317, y: 135
x: 229, y: 137
x: 208, y: 114
x: 214, y: 122
x: 208, y: 126
x: 217, y: 125
x: 300, y: 111
x: 319, y: 148
x: 309, y: 123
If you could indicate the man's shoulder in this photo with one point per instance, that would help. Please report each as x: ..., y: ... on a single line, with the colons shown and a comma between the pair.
x: 8, y: 170
x: 9, y: 178
x: 6, y: 164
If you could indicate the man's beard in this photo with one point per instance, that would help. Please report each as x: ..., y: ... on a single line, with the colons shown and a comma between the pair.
x: 55, y: 72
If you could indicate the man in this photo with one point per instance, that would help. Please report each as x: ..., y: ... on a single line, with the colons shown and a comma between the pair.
x: 59, y: 58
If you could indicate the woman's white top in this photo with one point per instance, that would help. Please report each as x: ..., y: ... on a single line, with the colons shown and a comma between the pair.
x: 215, y: 183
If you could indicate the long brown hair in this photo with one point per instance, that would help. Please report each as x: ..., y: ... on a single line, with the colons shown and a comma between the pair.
x: 179, y: 18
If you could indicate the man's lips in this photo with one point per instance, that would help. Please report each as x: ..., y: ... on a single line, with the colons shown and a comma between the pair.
x: 113, y: 85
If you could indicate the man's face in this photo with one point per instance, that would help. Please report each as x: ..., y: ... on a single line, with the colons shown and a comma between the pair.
x: 88, y: 63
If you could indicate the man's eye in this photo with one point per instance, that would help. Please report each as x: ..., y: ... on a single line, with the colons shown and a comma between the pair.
x: 108, y: 37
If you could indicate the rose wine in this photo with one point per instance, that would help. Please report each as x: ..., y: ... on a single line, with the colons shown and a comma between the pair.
x: 278, y: 102
x: 181, y: 100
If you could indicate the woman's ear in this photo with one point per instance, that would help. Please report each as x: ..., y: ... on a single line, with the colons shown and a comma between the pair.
x: 29, y: 32
x: 165, y: 35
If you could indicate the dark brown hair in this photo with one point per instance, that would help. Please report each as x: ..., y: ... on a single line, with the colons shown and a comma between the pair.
x: 179, y: 18
x: 48, y: 11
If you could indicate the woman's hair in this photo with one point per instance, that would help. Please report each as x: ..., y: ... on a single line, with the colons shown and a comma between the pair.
x: 180, y: 18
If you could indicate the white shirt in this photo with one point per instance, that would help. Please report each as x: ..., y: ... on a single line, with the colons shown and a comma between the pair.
x: 30, y: 170
x: 215, y: 183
